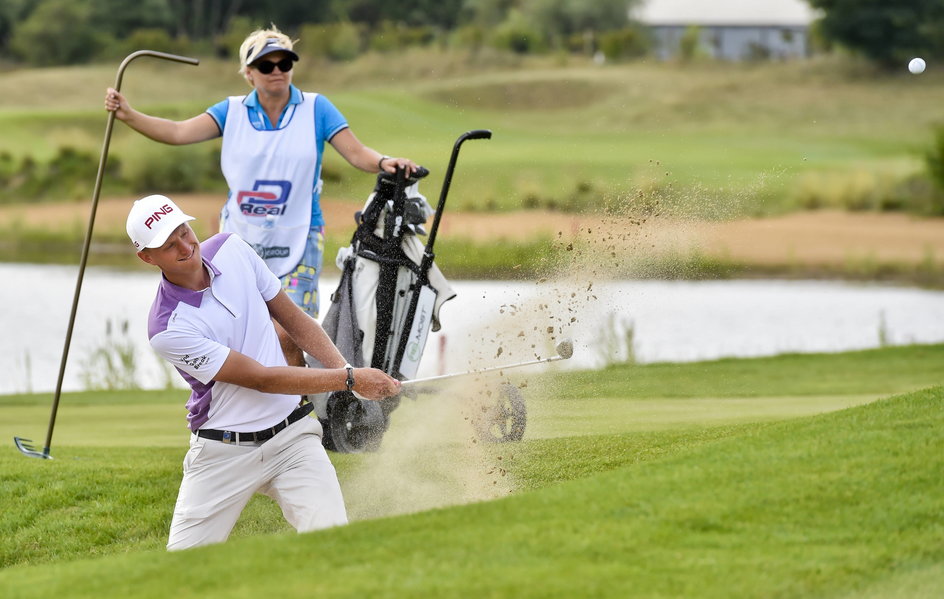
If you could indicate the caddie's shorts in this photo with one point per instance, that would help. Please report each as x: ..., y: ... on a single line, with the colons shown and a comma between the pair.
x: 302, y: 283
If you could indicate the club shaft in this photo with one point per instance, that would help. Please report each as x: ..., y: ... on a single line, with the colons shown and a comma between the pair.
x: 91, y: 225
x: 480, y: 371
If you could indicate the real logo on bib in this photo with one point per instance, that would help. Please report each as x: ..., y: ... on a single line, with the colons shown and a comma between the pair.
x: 266, y: 198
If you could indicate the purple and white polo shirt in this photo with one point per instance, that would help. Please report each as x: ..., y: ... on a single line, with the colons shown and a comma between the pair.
x: 195, y: 331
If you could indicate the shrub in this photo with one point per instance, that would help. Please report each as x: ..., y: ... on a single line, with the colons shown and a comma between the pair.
x: 347, y: 43
x: 868, y: 191
x: 226, y: 45
x: 690, y: 44
x: 153, y: 39
x: 161, y: 169
x: 7, y: 169
x: 517, y: 35
x: 934, y: 160
x: 68, y: 175
x: 336, y: 41
x: 624, y: 44
x: 393, y: 37
x: 468, y: 37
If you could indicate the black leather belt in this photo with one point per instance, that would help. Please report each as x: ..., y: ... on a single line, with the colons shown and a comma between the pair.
x: 258, y: 436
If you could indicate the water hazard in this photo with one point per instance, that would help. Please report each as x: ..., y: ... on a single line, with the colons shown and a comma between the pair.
x: 489, y: 323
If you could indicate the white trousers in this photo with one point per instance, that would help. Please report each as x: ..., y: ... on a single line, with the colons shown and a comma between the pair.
x: 219, y: 479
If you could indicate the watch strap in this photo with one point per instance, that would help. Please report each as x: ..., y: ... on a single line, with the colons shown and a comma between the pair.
x: 350, y: 377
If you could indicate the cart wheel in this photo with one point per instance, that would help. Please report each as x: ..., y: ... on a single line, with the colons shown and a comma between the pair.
x: 353, y: 425
x: 503, y: 420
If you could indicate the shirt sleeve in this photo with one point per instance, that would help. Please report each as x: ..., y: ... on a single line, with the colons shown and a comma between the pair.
x: 191, y: 353
x: 328, y: 117
x: 218, y: 112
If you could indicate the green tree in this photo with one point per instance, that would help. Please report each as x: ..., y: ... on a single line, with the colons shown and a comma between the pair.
x: 120, y: 17
x: 885, y: 32
x: 934, y: 161
x: 565, y: 17
x: 443, y: 14
x: 528, y: 25
x: 56, y: 32
x: 487, y: 12
x: 11, y: 12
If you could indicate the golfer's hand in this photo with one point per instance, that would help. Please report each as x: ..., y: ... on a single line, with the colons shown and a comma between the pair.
x: 371, y: 383
x: 115, y: 102
x: 390, y: 165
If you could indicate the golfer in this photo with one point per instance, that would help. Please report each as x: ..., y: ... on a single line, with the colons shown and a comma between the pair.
x: 273, y: 143
x: 212, y: 320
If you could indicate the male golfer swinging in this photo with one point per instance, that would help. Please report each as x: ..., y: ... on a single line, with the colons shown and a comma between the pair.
x: 212, y: 320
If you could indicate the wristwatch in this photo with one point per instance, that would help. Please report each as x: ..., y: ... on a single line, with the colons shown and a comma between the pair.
x: 350, y: 377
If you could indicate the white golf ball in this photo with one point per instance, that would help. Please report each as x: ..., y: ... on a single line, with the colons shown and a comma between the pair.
x: 916, y: 65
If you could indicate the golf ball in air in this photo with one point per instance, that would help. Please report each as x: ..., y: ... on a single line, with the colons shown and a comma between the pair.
x: 916, y: 65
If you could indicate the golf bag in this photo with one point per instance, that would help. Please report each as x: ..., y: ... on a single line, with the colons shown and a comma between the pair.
x: 388, y: 299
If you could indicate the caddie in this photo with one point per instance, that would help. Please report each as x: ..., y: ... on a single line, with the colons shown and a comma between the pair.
x: 251, y: 432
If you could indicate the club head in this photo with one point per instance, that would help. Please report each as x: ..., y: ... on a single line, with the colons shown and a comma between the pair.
x: 565, y: 349
x: 25, y: 446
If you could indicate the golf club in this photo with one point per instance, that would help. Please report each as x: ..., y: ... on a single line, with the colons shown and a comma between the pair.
x: 25, y: 445
x: 565, y: 349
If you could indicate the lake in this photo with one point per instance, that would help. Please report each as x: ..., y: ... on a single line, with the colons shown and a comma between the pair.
x: 489, y: 323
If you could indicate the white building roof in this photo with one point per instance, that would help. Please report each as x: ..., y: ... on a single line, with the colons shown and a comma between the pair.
x: 724, y: 12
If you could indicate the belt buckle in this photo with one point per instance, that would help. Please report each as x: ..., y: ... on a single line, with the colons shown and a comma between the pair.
x: 227, y: 437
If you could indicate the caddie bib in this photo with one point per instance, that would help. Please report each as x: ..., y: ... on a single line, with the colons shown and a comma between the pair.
x: 271, y: 177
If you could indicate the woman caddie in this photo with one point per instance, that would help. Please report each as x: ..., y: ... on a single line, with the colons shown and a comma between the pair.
x: 271, y: 158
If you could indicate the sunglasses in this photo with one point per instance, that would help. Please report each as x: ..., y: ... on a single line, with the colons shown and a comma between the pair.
x: 265, y: 66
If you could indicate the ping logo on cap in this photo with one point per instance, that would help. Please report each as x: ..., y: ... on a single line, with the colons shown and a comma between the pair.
x: 152, y: 220
x: 155, y: 217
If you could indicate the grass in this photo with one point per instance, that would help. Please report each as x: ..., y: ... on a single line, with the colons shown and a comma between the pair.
x: 730, y: 138
x: 702, y: 141
x: 773, y: 480
x: 820, y: 506
x: 880, y: 371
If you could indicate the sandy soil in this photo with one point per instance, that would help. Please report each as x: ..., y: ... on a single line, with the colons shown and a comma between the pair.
x: 801, y: 239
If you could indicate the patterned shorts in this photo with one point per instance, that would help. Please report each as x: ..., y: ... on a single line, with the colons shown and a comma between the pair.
x: 302, y: 283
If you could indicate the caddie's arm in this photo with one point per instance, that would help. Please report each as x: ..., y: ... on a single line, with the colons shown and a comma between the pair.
x: 177, y: 133
x: 368, y: 159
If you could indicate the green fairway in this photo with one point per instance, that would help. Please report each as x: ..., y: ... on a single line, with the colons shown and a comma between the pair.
x: 768, y: 484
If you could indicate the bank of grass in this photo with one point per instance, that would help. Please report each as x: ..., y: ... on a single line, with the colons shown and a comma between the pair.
x: 829, y: 502
x: 835, y: 505
x: 499, y: 259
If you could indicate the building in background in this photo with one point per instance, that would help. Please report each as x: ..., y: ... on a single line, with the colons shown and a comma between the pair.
x: 729, y: 29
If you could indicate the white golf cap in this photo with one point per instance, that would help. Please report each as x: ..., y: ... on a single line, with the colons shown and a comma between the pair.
x: 152, y: 220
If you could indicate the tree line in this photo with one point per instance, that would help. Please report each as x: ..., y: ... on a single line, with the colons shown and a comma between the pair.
x: 62, y: 32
